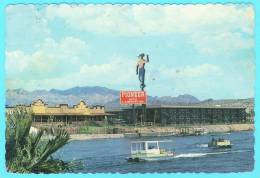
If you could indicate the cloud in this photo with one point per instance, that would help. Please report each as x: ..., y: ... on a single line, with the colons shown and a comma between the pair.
x: 211, y: 29
x: 132, y: 20
x: 26, y: 26
x: 49, y: 60
x: 117, y: 72
x: 199, y: 80
x: 191, y: 71
x: 201, y: 47
x: 221, y: 43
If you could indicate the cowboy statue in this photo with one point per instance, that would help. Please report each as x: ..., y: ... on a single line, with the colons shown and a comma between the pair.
x: 140, y: 70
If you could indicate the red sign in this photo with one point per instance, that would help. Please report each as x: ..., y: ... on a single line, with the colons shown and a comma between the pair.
x: 133, y: 97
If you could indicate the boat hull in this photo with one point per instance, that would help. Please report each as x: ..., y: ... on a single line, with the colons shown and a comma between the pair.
x: 220, y: 143
x: 154, y: 158
x: 220, y: 147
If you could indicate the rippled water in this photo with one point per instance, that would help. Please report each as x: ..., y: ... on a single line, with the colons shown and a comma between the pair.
x: 193, y: 155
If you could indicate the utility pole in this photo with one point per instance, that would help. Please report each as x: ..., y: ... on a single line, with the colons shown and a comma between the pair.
x: 144, y: 112
x: 133, y: 114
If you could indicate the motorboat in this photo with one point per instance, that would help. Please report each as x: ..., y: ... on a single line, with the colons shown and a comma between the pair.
x: 149, y: 151
x: 219, y: 143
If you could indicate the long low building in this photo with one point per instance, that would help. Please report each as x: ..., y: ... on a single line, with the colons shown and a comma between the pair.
x: 42, y: 112
x: 156, y: 114
x: 169, y: 114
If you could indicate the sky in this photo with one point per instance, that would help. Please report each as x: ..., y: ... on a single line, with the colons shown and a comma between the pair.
x: 203, y: 50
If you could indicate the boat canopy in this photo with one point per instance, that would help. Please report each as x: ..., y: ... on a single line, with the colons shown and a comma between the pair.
x: 144, y: 145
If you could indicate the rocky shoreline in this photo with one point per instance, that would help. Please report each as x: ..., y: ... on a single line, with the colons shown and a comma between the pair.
x: 166, y: 131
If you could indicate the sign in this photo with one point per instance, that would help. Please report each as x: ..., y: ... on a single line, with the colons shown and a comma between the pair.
x: 133, y: 97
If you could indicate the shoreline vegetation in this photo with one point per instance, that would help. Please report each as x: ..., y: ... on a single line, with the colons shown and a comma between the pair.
x: 30, y: 152
x: 165, y: 131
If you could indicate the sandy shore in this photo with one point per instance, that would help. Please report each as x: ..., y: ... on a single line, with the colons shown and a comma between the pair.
x: 94, y: 136
x: 228, y: 128
x: 164, y: 130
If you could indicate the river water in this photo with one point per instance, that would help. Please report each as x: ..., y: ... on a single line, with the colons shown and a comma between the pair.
x: 193, y: 155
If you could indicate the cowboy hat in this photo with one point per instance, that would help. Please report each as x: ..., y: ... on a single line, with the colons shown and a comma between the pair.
x: 141, y: 55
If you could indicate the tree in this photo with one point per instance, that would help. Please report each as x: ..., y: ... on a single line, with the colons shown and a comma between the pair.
x: 31, y: 152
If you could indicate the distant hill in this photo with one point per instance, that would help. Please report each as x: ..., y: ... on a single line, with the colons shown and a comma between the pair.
x: 92, y: 95
x: 109, y: 98
x: 248, y: 103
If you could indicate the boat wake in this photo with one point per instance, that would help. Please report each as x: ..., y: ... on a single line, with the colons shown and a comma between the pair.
x: 202, y: 145
x: 190, y: 155
x: 194, y: 155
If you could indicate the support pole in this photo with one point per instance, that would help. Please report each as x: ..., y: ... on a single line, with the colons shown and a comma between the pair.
x: 143, y: 111
x: 154, y: 117
x: 133, y: 114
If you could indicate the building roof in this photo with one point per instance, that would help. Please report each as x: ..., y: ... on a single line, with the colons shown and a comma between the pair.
x: 194, y: 106
x: 72, y: 114
x: 40, y: 108
x: 177, y: 106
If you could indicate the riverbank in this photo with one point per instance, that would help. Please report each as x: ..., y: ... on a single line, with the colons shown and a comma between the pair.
x: 229, y: 128
x: 94, y: 136
x: 165, y: 131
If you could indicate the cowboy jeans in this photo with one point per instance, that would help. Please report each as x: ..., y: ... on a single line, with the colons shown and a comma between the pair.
x: 141, y: 75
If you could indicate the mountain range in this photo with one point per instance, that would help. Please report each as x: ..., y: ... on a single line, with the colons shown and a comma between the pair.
x: 92, y: 95
x: 108, y: 97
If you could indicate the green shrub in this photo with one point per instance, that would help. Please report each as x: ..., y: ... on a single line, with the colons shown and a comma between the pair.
x: 29, y: 152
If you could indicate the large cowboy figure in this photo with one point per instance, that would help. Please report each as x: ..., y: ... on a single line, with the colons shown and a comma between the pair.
x: 140, y: 70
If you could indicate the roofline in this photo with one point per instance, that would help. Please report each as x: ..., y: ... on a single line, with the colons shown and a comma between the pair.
x: 194, y: 106
x: 72, y: 114
x: 152, y: 141
x: 177, y: 106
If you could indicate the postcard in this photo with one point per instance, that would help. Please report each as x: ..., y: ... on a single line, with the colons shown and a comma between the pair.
x: 129, y: 88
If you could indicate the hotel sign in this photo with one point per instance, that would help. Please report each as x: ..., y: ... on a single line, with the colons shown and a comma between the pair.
x: 133, y: 97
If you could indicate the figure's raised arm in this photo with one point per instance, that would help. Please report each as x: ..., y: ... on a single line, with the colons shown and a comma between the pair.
x: 147, y: 58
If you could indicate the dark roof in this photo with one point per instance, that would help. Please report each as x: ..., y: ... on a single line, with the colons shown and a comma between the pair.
x: 194, y: 106
x: 72, y: 114
x: 176, y: 106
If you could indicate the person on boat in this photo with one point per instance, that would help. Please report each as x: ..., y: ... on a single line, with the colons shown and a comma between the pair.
x: 140, y: 70
x: 151, y: 147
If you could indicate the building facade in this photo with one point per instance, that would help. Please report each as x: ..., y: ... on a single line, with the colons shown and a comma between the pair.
x: 161, y: 114
x: 164, y: 115
x: 64, y: 113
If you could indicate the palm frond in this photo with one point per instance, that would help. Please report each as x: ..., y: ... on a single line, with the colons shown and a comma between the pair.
x: 27, y: 152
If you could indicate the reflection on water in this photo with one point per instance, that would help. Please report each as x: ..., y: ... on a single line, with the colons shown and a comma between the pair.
x: 193, y: 155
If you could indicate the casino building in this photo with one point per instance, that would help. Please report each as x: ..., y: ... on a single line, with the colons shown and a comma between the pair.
x: 153, y: 114
x: 170, y: 114
x: 43, y: 113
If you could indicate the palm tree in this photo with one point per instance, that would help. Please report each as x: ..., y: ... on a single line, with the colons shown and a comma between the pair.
x: 31, y: 152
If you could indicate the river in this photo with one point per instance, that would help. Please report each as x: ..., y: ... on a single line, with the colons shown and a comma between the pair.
x: 193, y: 154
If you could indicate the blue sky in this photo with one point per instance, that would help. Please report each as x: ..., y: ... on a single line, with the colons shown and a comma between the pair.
x: 203, y: 50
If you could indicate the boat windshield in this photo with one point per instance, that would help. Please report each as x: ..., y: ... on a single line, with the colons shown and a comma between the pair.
x: 138, y: 146
x: 152, y: 145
